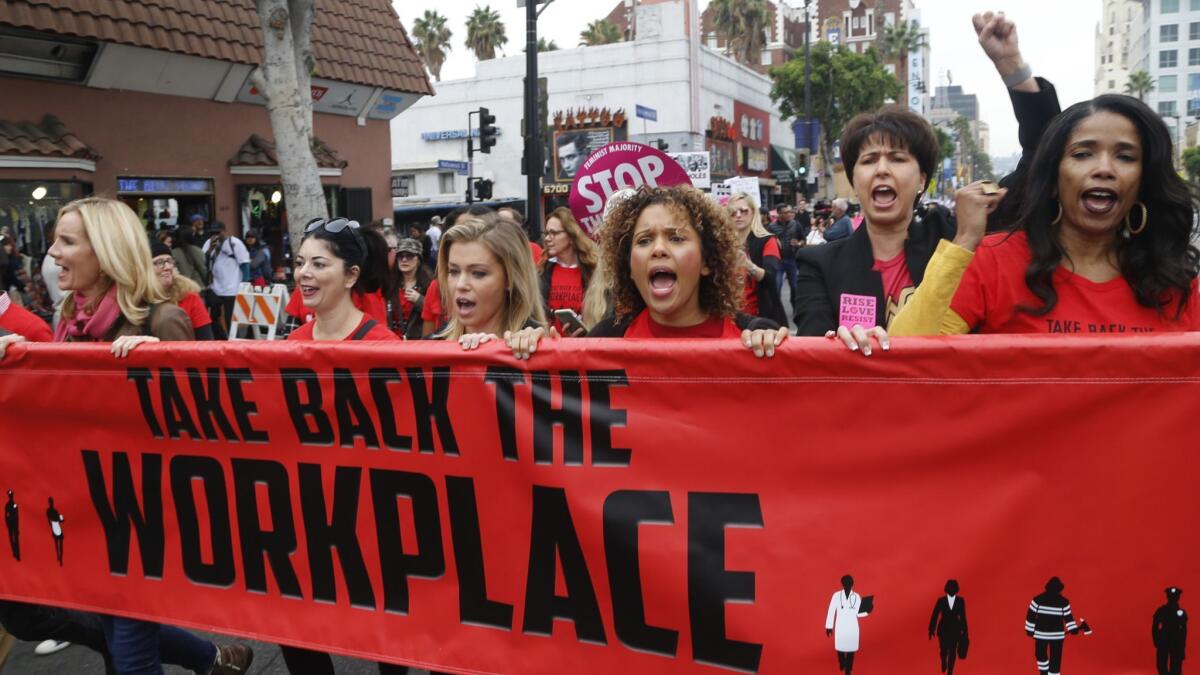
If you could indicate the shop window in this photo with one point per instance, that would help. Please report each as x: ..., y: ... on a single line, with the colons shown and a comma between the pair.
x: 446, y: 182
x: 28, y: 208
x: 404, y: 185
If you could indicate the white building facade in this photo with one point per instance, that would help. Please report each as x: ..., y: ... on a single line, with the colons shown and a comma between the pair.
x: 656, y: 71
x: 1114, y: 45
x: 1167, y: 46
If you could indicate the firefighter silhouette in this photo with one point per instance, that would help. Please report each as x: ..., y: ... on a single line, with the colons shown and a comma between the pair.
x: 56, y: 530
x: 1170, y: 634
x: 949, y: 624
x: 12, y: 521
x: 1048, y: 621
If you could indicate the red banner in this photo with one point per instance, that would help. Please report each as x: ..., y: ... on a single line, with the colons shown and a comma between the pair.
x: 628, y: 506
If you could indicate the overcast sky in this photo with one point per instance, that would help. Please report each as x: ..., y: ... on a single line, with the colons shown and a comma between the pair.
x: 1057, y: 39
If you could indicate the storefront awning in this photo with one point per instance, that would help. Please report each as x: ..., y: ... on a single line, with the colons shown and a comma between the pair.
x: 257, y: 157
x: 48, y: 144
x: 784, y: 163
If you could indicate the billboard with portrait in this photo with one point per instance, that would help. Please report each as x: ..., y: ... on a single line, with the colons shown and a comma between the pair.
x: 572, y: 146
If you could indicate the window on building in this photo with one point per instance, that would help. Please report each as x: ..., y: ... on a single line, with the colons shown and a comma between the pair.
x: 1168, y: 58
x: 1194, y: 30
x: 404, y: 185
x: 1168, y: 84
x: 1112, y: 84
x: 1193, y: 107
x: 766, y: 57
x: 1168, y: 33
x: 1194, y: 57
x: 1194, y: 6
x: 446, y: 182
x: 1166, y: 108
x: 1169, y: 6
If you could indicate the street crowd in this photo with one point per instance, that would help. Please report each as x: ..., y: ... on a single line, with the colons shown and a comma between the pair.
x: 1090, y: 234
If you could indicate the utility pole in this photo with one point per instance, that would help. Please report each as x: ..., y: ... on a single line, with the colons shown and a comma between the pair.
x: 808, y: 134
x: 533, y: 149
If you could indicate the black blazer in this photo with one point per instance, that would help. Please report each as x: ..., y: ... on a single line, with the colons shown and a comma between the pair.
x: 825, y: 272
x: 953, y: 624
x: 770, y: 305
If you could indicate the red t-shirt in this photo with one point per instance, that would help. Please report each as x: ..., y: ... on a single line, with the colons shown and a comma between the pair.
x: 643, y: 326
x: 993, y: 288
x: 431, y: 311
x: 750, y: 289
x: 371, y: 303
x: 378, y: 333
x: 566, y: 290
x: 536, y: 251
x: 196, y: 311
x: 23, y: 322
x: 898, y: 285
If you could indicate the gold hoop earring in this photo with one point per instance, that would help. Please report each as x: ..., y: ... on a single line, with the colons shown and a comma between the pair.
x: 1058, y: 218
x: 1145, y: 221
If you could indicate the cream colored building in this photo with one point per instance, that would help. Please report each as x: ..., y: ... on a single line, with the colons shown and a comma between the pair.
x: 1115, y: 55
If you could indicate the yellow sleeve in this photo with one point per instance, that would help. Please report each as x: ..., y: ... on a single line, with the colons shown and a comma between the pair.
x: 928, y: 311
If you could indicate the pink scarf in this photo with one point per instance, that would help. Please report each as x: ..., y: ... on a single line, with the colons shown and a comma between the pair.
x: 89, y: 327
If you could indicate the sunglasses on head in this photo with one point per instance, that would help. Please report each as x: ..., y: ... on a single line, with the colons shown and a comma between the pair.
x: 331, y: 226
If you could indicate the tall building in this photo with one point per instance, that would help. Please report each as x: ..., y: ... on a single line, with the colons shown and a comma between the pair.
x: 953, y: 98
x: 1166, y: 44
x: 1114, y: 45
x: 857, y: 24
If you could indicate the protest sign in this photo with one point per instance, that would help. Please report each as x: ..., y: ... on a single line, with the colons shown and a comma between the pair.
x: 627, y: 506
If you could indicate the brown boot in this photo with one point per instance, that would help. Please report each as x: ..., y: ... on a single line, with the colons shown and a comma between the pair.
x: 234, y: 659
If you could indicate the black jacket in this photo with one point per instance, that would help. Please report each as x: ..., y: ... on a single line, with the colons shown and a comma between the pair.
x: 949, y: 624
x: 845, y: 266
x: 770, y: 305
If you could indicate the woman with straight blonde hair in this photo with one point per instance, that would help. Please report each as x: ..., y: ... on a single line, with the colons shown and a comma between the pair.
x: 112, y: 294
x: 487, y: 281
x: 567, y: 263
x: 760, y: 260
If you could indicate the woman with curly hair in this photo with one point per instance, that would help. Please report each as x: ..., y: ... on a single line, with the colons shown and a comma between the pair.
x: 676, y: 271
x: 1102, y: 243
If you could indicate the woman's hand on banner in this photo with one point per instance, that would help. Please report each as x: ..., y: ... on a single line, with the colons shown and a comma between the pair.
x: 9, y: 340
x: 475, y: 340
x: 859, y: 338
x: 126, y: 343
x: 763, y: 342
x: 524, y: 342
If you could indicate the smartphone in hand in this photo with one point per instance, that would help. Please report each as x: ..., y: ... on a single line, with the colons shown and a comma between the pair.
x: 571, y: 321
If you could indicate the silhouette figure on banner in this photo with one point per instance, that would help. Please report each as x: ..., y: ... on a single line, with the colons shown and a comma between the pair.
x: 845, y: 609
x: 1170, y: 634
x: 56, y: 529
x: 949, y: 623
x: 12, y: 521
x: 1048, y: 621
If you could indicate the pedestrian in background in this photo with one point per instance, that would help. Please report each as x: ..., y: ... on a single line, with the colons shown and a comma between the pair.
x: 568, y: 261
x: 760, y: 259
x: 408, y: 280
x: 181, y: 290
x: 228, y: 264
x: 788, y: 234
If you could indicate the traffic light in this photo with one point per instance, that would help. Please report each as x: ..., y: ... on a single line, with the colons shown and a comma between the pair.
x: 483, y: 189
x: 802, y: 165
x: 487, y: 131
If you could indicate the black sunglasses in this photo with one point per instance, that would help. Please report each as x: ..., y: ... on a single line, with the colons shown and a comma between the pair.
x: 331, y: 226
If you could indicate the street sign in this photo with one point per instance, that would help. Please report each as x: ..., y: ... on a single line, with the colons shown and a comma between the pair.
x: 647, y: 113
x: 460, y: 167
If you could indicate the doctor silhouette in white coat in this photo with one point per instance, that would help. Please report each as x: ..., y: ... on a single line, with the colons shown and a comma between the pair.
x: 842, y: 623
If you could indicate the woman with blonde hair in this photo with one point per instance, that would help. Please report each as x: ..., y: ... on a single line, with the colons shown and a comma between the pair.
x: 112, y: 294
x: 567, y: 263
x: 487, y: 279
x: 760, y: 260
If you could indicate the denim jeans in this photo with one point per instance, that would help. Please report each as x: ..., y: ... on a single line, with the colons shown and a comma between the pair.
x: 35, y: 623
x: 141, y: 647
x: 787, y: 267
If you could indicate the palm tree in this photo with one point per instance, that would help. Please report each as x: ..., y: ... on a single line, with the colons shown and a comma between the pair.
x: 433, y: 41
x: 544, y: 46
x: 600, y: 32
x: 1140, y: 83
x: 897, y: 41
x: 485, y: 32
x: 742, y: 24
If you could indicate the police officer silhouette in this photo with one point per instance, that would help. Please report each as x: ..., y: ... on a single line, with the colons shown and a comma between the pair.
x: 1170, y: 634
